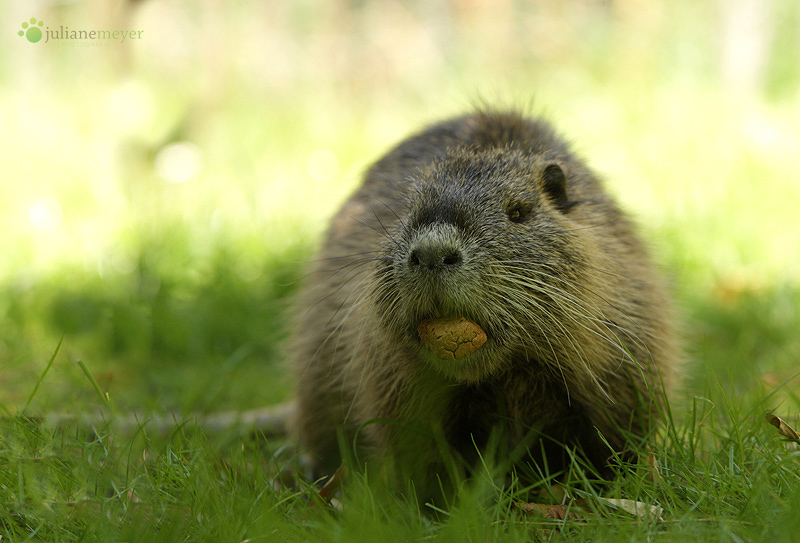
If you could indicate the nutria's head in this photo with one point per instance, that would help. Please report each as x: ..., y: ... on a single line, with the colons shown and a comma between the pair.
x: 489, y: 236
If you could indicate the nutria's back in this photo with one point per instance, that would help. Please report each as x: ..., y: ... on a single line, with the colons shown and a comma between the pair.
x: 488, y: 217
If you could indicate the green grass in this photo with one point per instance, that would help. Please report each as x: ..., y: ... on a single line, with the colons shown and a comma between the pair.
x: 174, y: 297
x: 724, y: 476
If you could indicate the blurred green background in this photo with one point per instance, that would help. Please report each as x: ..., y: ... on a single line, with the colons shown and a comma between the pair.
x: 159, y: 196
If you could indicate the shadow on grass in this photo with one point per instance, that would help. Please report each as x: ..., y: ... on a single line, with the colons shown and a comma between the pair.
x: 178, y: 325
x: 747, y: 341
x: 200, y: 324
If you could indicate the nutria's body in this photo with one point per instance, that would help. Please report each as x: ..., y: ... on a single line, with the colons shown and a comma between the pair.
x: 492, y: 218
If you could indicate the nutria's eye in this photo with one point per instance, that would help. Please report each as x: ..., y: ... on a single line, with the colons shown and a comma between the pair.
x: 517, y: 213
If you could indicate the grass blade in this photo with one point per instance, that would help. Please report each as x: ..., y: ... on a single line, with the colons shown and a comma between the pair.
x: 44, y: 373
x: 88, y: 374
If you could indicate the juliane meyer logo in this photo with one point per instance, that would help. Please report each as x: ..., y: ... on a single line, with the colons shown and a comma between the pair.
x: 32, y: 30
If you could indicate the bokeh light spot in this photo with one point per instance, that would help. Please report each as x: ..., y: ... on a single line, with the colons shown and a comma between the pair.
x: 179, y: 162
x: 46, y: 214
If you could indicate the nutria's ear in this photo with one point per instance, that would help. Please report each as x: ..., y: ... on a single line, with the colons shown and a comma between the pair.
x: 555, y: 186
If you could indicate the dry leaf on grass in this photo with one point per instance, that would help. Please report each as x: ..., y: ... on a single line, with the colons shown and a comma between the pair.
x: 329, y: 489
x: 783, y: 428
x: 333, y: 483
x: 580, y: 509
x: 637, y: 509
x: 652, y: 465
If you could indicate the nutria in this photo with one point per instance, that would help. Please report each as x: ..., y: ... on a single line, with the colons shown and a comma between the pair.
x: 490, y: 218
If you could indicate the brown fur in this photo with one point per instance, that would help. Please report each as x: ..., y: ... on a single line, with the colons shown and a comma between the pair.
x: 490, y: 217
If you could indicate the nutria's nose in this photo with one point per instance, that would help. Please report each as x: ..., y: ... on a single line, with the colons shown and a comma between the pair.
x: 433, y: 255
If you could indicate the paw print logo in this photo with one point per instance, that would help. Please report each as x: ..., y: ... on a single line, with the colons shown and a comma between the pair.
x: 33, y: 33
